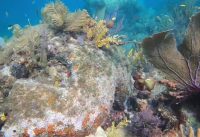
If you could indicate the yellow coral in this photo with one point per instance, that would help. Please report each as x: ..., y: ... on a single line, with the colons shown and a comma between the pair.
x: 99, y: 33
x: 3, y: 117
x: 107, y: 42
x: 117, y: 131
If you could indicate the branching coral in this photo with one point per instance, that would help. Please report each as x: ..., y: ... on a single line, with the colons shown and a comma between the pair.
x: 99, y: 33
x: 182, y: 65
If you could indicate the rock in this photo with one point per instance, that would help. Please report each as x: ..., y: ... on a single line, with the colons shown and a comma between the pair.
x: 119, y: 98
x: 79, y: 105
x: 19, y: 71
x: 131, y: 104
x: 144, y: 94
x: 138, y: 85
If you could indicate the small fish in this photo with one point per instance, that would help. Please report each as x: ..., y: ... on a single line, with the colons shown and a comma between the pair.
x: 198, y: 8
x: 113, y: 19
x: 76, y: 68
x: 68, y: 74
x: 182, y: 5
x: 10, y: 27
x: 37, y: 12
x: 131, y: 52
x: 6, y: 13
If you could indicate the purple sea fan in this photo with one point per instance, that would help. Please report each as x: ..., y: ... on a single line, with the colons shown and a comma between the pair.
x: 182, y: 64
x: 145, y: 124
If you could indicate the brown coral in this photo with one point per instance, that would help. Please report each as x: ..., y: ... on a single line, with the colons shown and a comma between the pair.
x: 54, y: 14
x: 57, y: 17
x: 75, y: 22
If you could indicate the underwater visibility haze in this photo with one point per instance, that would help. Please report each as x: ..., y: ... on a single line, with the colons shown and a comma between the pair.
x: 100, y: 68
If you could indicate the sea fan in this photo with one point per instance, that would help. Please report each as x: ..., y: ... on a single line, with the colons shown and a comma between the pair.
x: 182, y: 64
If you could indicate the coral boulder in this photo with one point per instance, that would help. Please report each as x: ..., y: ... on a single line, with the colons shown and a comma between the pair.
x: 69, y: 95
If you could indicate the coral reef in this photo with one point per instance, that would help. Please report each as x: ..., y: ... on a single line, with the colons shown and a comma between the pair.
x: 180, y: 65
x: 56, y: 15
x: 65, y: 88
x: 58, y: 18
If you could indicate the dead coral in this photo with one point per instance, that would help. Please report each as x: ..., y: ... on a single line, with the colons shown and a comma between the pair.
x: 182, y: 65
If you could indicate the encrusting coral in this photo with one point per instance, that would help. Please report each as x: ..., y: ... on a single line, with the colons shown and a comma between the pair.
x: 182, y: 64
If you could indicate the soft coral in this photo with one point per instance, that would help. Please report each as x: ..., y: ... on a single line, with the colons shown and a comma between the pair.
x: 182, y: 64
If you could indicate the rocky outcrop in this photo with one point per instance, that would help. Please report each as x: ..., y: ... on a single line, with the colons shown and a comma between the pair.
x: 68, y: 90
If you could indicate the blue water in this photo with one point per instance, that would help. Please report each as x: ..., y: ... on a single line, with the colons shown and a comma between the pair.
x: 24, y: 12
